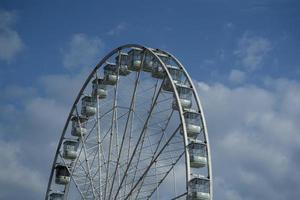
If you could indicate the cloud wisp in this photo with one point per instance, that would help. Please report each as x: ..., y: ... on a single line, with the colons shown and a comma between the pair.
x: 251, y: 51
x: 14, y: 174
x: 117, y: 29
x: 10, y: 41
x: 82, y: 51
x: 237, y: 76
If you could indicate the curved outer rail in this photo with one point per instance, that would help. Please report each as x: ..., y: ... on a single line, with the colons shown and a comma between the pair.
x: 181, y: 112
x: 203, y: 120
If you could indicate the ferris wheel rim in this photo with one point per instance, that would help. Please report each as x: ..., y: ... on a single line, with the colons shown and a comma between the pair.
x: 181, y: 112
x: 202, y: 116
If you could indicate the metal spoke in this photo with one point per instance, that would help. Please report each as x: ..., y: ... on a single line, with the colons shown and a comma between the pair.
x: 154, y: 160
x: 166, y: 174
x: 139, y: 139
x: 113, y: 131
x: 130, y: 145
x: 152, y: 102
x: 99, y: 147
x: 76, y: 185
x: 87, y: 163
x: 127, y: 122
x: 160, y: 139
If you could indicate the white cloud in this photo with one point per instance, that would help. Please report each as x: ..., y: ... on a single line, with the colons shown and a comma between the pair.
x: 10, y: 42
x: 223, y: 188
x: 14, y: 174
x: 34, y: 122
x: 118, y: 29
x: 82, y: 51
x: 17, y: 92
x: 253, y: 134
x: 63, y: 87
x: 237, y: 76
x: 229, y: 25
x: 251, y: 51
x: 254, y: 139
x: 253, y: 130
x: 290, y: 91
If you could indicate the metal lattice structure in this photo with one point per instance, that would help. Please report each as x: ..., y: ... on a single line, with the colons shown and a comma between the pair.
x: 135, y: 131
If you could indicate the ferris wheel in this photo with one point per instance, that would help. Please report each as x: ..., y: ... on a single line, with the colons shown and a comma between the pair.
x: 135, y: 131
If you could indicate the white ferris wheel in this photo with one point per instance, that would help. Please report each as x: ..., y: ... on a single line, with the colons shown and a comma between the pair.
x: 135, y: 131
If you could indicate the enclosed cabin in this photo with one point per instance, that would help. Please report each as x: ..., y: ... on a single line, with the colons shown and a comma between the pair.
x: 56, y: 196
x: 99, y: 88
x: 185, y: 97
x: 122, y: 64
x: 78, y: 126
x: 177, y: 77
x: 110, y: 74
x: 199, y: 189
x: 166, y: 59
x: 135, y: 59
x: 62, y: 175
x: 70, y: 149
x: 158, y: 70
x: 197, y: 152
x: 192, y: 123
x: 148, y: 63
x: 88, y: 107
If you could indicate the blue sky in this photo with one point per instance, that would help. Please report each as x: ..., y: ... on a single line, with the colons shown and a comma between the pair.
x: 243, y: 55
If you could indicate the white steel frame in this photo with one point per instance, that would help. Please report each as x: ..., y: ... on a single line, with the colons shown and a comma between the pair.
x: 97, y: 192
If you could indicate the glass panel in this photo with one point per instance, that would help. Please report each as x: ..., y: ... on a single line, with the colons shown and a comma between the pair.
x: 197, y: 149
x: 78, y: 121
x: 123, y: 59
x: 88, y: 101
x: 176, y: 74
x: 199, y: 185
x: 62, y: 171
x: 148, y: 58
x: 185, y: 93
x: 98, y: 84
x: 135, y: 54
x: 56, y: 196
x: 158, y: 71
x: 166, y: 60
x: 192, y: 118
x: 110, y: 69
x: 70, y: 145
